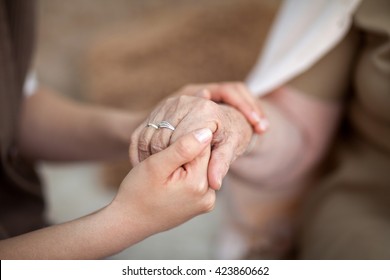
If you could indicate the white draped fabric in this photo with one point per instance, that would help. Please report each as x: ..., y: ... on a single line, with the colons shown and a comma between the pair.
x: 303, y: 32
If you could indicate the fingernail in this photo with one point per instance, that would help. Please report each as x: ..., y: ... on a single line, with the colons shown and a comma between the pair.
x: 263, y: 124
x: 255, y: 116
x: 219, y: 182
x: 202, y: 135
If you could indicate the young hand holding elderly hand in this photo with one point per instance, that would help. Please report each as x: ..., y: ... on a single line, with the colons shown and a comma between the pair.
x: 190, y: 109
x: 162, y: 192
x: 171, y: 186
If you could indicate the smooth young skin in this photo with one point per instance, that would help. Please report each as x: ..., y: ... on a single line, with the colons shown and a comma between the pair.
x: 162, y: 192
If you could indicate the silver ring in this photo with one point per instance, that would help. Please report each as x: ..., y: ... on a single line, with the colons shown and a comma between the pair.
x: 152, y: 125
x: 165, y: 124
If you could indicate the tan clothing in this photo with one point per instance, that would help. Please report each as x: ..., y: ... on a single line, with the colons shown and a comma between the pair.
x: 303, y: 32
x: 348, y: 215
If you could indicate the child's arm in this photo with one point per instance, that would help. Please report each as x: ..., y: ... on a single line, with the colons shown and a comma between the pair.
x: 162, y: 192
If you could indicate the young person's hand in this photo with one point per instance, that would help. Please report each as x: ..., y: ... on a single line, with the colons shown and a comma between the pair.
x: 169, y: 187
x: 160, y: 193
x: 231, y: 132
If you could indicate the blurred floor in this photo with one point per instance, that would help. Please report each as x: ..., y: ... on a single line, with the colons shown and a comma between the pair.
x: 74, y: 190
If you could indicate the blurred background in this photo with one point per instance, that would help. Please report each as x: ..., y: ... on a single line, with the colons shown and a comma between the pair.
x: 130, y: 54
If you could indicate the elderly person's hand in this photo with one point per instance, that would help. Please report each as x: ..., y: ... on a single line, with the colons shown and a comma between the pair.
x: 231, y: 131
x: 235, y: 94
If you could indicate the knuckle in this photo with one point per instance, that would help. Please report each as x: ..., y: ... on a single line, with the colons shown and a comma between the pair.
x: 157, y: 147
x: 170, y: 99
x: 143, y: 145
x: 208, y: 106
x: 183, y: 99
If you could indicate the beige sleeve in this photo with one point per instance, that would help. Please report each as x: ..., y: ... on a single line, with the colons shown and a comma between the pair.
x: 330, y: 77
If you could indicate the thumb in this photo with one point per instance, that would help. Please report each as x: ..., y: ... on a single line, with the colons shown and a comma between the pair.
x: 183, y: 151
x: 221, y: 158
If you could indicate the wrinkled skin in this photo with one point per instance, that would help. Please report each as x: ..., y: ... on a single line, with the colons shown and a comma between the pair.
x: 231, y: 132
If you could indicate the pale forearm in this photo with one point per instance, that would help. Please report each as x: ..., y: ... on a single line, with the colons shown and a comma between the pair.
x: 55, y: 128
x: 147, y: 202
x: 300, y: 132
x: 96, y: 236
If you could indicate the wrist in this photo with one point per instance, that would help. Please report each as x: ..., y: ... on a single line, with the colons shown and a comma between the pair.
x: 244, y: 130
x: 271, y: 151
x: 118, y: 126
x: 128, y: 224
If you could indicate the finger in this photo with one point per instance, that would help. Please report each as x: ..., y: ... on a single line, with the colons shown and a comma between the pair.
x: 220, y: 160
x: 173, y: 115
x: 183, y: 151
x: 256, y: 117
x: 143, y: 142
x: 162, y: 137
x: 238, y: 98
x: 195, y: 90
x: 160, y: 140
x: 133, y: 149
x: 204, y: 93
x: 237, y: 95
x: 146, y: 134
x: 197, y: 169
x: 233, y: 94
x: 193, y: 122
